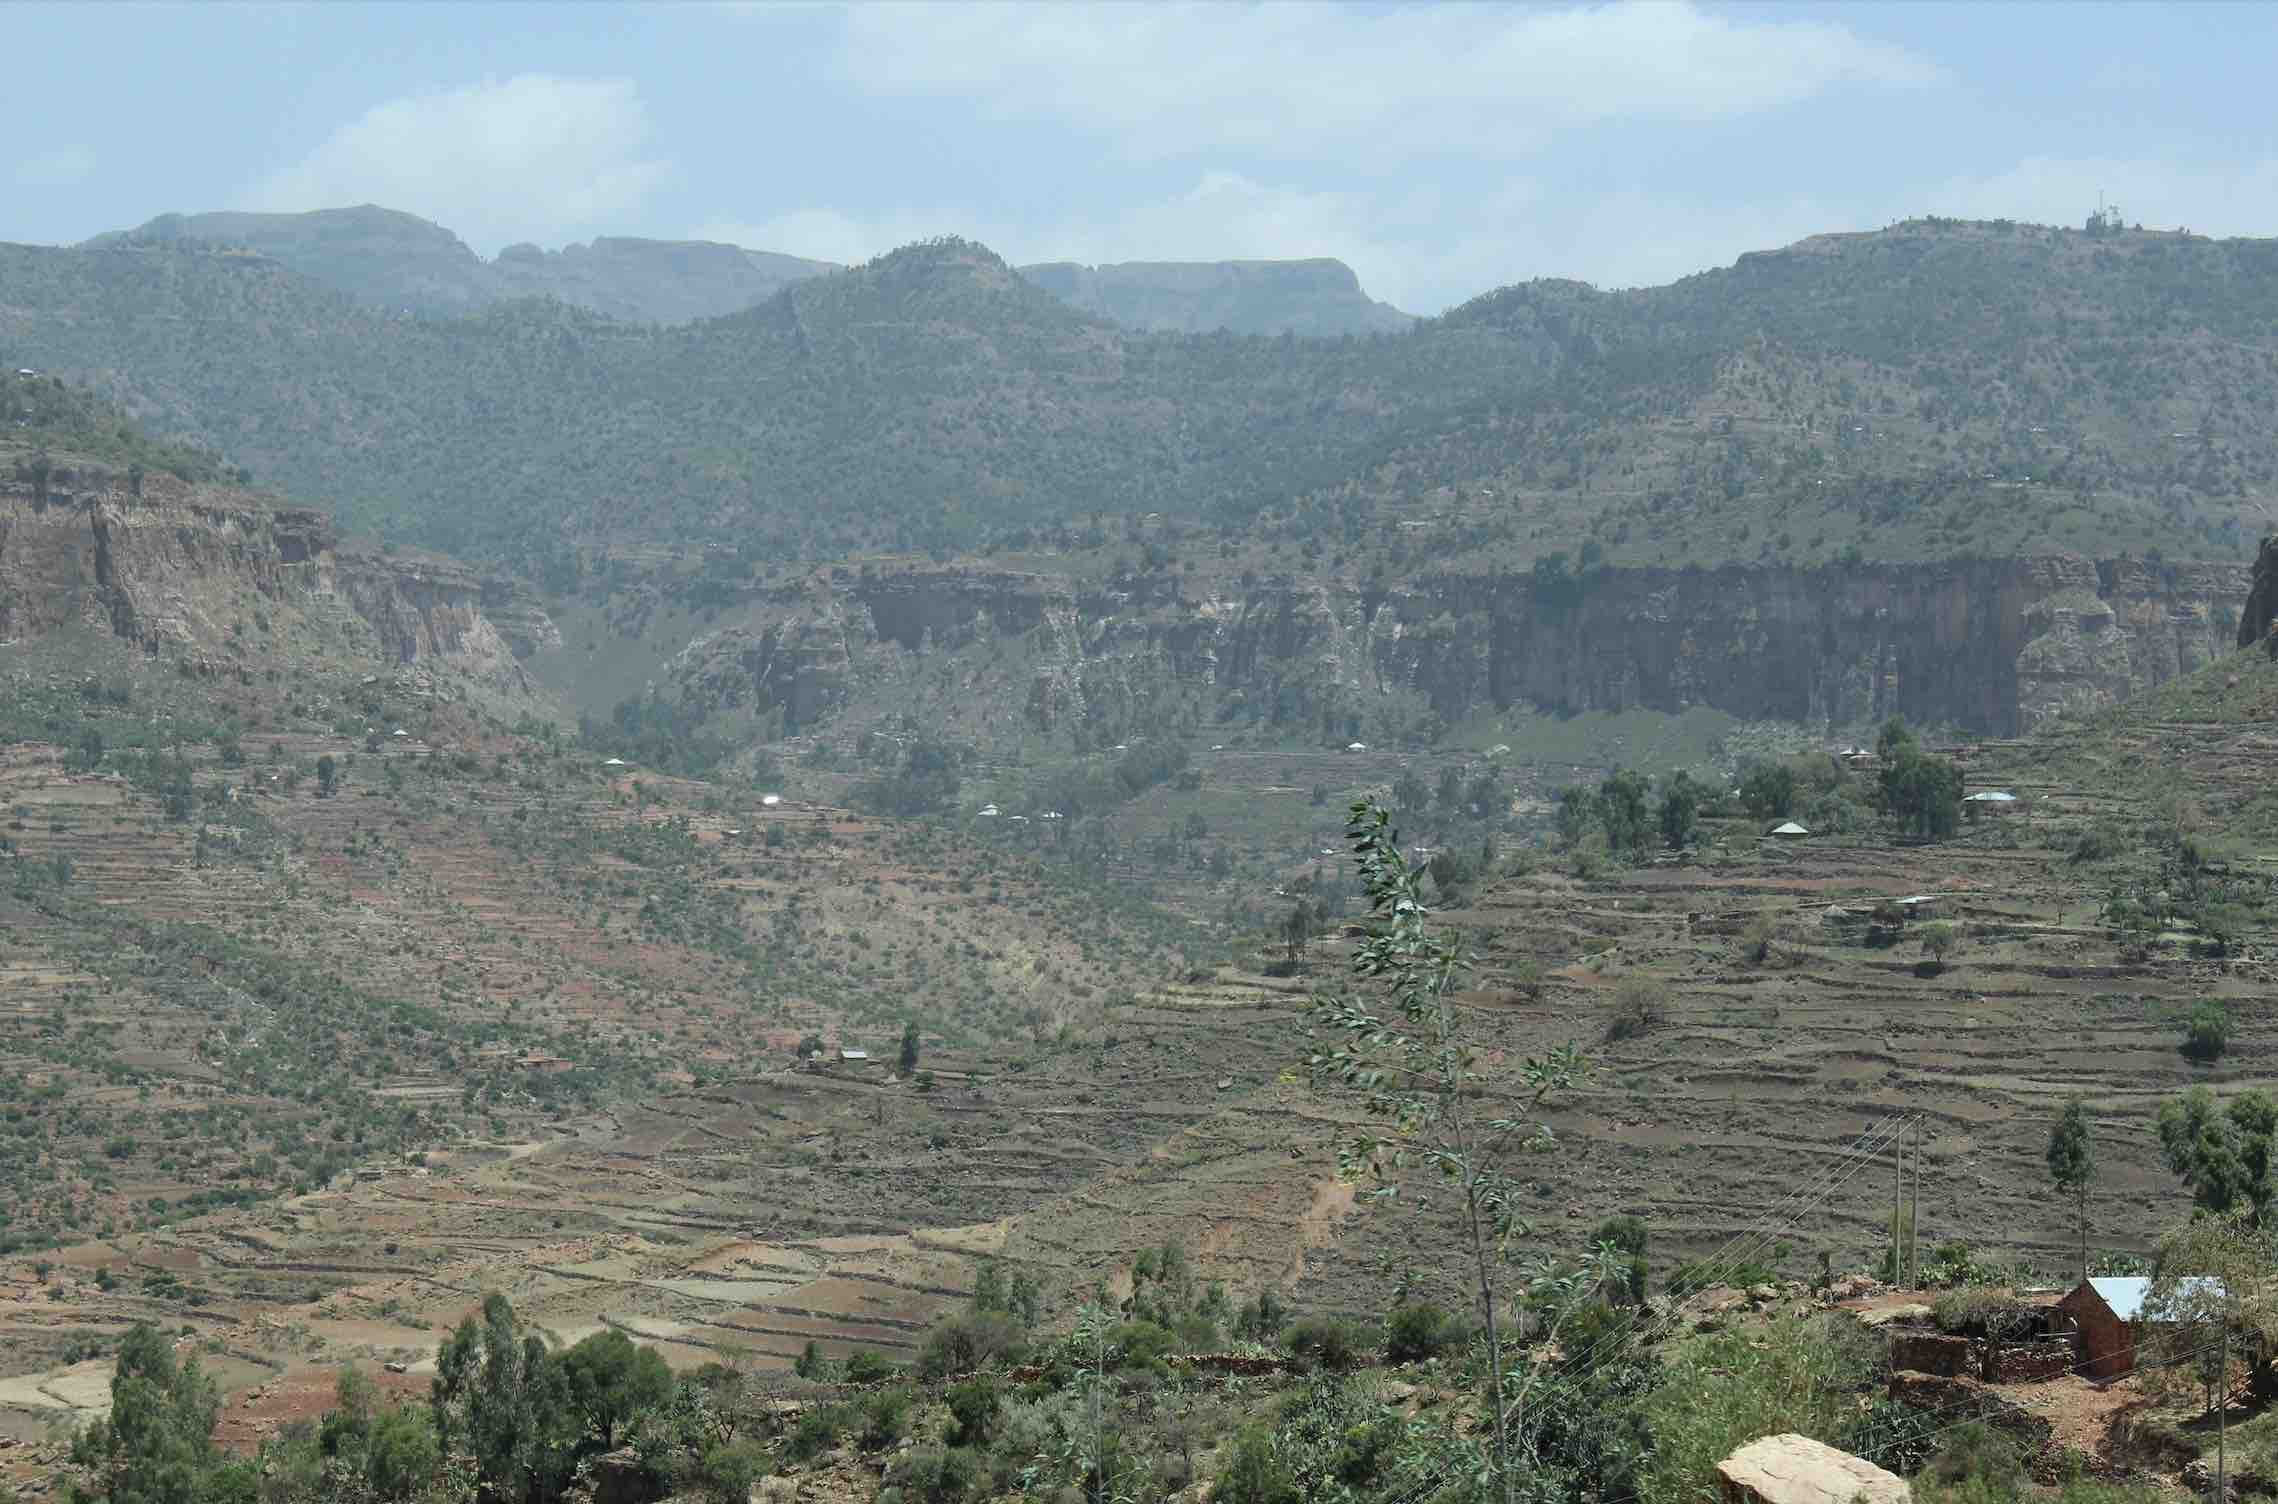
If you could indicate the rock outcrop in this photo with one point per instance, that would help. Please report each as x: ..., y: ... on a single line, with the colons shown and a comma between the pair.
x: 1317, y: 297
x: 218, y: 576
x: 1995, y: 646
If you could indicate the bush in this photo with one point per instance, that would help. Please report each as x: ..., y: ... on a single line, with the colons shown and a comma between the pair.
x: 973, y: 1407
x: 1140, y: 1345
x: 2208, y: 1033
x: 1330, y: 1342
x: 1982, y: 1310
x: 815, y: 1432
x: 963, y: 1343
x: 729, y: 1471
x: 937, y: 1475
x: 1418, y: 1330
x: 1640, y: 1007
x: 1978, y: 1459
x: 867, y: 1367
x: 1255, y: 1473
x: 885, y: 1416
x: 1756, y: 939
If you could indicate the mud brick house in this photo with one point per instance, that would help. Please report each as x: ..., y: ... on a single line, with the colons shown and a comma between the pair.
x: 2109, y: 1317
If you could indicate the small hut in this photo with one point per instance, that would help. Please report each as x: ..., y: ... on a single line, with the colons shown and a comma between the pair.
x: 1788, y: 830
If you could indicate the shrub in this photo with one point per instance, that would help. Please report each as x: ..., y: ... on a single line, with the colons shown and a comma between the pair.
x: 867, y: 1367
x: 729, y: 1471
x: 1981, y: 1310
x: 973, y: 1407
x: 885, y: 1416
x: 2208, y: 1033
x: 1756, y: 939
x: 815, y: 1432
x: 1255, y: 1473
x: 963, y: 1343
x: 937, y: 1475
x: 1418, y: 1330
x: 1978, y: 1459
x: 1331, y: 1342
x: 1639, y: 1008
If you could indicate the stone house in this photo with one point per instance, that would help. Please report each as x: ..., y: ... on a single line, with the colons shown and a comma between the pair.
x: 2109, y: 1316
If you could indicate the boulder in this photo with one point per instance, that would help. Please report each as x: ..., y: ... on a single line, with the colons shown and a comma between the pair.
x: 1792, y: 1469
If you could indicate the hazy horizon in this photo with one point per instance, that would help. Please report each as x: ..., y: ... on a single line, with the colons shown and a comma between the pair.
x: 1438, y: 150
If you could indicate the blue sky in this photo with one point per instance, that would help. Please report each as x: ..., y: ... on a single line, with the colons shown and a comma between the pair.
x: 1441, y: 150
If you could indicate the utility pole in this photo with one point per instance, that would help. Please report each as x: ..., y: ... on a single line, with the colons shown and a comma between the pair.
x: 1914, y: 1224
x: 2222, y: 1399
x: 1898, y: 1208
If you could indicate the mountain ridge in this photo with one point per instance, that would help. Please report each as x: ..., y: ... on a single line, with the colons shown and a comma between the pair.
x: 392, y: 259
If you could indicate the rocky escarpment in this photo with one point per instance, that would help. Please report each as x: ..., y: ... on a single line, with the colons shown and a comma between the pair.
x: 1995, y: 646
x: 1319, y: 296
x: 216, y: 576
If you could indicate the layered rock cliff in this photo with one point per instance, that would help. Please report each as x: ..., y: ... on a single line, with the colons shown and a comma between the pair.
x: 1996, y: 646
x: 212, y: 574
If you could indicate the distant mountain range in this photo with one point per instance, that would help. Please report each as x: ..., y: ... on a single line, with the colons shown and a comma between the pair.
x: 1930, y: 391
x: 400, y: 261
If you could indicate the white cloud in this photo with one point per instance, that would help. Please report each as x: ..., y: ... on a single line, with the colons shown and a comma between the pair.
x: 59, y: 168
x: 1336, y: 82
x: 533, y: 156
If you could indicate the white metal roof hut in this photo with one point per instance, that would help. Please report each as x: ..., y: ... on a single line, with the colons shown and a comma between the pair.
x: 1990, y: 802
x: 1788, y: 830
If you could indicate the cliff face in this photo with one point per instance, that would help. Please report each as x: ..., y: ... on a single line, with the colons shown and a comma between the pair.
x: 209, y: 574
x: 1320, y: 297
x: 1995, y: 646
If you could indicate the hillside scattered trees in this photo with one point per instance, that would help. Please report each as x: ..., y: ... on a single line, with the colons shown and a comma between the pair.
x: 1922, y: 794
x: 2072, y: 1165
x: 2222, y: 1151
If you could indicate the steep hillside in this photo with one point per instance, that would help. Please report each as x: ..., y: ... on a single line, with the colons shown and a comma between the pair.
x: 1914, y: 393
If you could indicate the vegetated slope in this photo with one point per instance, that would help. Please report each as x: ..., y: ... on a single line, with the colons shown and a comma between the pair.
x: 2129, y: 884
x: 248, y: 899
x: 1931, y: 389
x: 399, y: 261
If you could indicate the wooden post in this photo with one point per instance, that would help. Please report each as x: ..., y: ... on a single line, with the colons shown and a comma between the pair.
x: 1914, y: 1224
x: 1897, y: 1209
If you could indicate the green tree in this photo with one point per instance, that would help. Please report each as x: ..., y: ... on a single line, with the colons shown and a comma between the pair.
x: 326, y: 771
x: 1409, y: 1055
x: 156, y: 1446
x: 906, y: 1066
x: 1769, y: 791
x: 1622, y: 807
x: 1680, y: 812
x: 2221, y: 1151
x: 1919, y: 791
x: 1938, y: 939
x: 2207, y: 1033
x: 2072, y: 1165
x: 612, y: 1381
x: 1628, y: 1237
x: 501, y: 1397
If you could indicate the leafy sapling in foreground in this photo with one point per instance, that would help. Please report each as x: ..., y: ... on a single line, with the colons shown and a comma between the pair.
x: 1399, y: 1043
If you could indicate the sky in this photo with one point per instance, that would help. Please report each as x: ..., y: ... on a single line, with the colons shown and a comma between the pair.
x: 1440, y: 150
